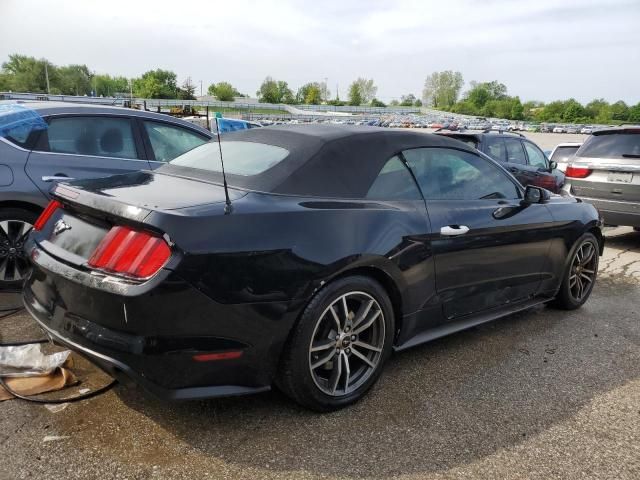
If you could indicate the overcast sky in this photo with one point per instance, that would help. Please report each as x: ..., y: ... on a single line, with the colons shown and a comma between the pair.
x: 542, y: 50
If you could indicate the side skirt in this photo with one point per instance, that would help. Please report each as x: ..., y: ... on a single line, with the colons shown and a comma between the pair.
x: 458, y: 325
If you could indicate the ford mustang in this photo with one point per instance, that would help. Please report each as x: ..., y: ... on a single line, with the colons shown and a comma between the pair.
x: 317, y: 253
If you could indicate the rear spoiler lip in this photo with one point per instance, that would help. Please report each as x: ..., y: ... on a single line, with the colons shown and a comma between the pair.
x: 99, y: 203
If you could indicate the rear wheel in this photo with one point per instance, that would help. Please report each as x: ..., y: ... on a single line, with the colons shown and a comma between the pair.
x: 580, y: 274
x: 15, y: 226
x: 338, y: 348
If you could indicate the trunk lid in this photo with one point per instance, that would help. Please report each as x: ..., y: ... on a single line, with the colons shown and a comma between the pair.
x: 90, y: 208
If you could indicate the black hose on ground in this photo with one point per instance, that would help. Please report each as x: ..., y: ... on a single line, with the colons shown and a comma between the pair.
x: 9, y: 312
x: 77, y: 398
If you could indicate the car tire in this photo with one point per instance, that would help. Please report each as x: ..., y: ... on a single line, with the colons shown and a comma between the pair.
x: 583, y: 262
x: 14, y: 265
x: 325, y: 321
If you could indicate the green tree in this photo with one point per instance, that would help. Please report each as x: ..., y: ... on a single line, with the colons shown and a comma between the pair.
x: 620, y: 111
x: 407, y: 100
x: 310, y: 94
x: 366, y: 88
x: 187, y: 91
x: 285, y: 94
x: 377, y: 103
x: 108, y: 86
x: 26, y: 74
x: 517, y: 109
x: 573, y: 111
x: 355, y: 94
x: 441, y: 89
x: 156, y: 84
x: 272, y: 91
x: 417, y: 103
x: 634, y: 113
x: 223, y: 91
x: 73, y: 80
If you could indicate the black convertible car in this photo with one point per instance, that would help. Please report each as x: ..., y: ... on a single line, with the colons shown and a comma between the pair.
x: 331, y: 247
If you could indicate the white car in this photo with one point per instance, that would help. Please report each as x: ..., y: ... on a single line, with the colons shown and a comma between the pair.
x: 559, y: 129
x: 562, y: 153
x: 588, y: 129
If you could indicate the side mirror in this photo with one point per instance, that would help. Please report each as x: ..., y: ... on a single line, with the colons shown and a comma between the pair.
x: 535, y: 195
x: 553, y: 165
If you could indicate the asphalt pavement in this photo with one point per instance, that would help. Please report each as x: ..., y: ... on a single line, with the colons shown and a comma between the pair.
x: 541, y: 394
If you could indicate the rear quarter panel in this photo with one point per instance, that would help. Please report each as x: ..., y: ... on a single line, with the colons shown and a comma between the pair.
x: 275, y: 248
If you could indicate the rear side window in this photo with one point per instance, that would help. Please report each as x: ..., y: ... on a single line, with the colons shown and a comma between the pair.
x: 562, y: 154
x: 94, y: 136
x: 611, y: 145
x: 515, y: 152
x: 495, y: 149
x: 394, y: 182
x: 169, y: 142
x: 240, y: 158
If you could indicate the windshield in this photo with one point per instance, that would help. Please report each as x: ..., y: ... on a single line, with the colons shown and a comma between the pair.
x: 240, y: 158
x: 562, y: 154
x: 612, y: 145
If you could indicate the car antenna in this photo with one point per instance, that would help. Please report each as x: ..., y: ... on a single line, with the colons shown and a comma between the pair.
x: 227, y: 203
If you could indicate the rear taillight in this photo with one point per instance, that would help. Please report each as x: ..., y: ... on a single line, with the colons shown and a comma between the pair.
x: 46, y: 214
x: 130, y: 252
x: 577, y: 172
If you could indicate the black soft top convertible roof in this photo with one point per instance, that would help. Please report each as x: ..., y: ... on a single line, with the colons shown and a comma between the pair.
x: 325, y: 160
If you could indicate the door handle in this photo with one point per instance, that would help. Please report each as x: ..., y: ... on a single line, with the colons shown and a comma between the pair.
x: 453, y: 230
x: 57, y: 178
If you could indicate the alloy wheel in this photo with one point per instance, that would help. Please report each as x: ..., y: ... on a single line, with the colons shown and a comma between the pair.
x: 347, y: 343
x: 13, y: 261
x: 583, y: 270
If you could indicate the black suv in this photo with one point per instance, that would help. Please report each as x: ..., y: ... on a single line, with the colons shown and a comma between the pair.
x: 520, y: 156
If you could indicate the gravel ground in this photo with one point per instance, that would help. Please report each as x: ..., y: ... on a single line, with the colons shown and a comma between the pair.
x: 541, y: 394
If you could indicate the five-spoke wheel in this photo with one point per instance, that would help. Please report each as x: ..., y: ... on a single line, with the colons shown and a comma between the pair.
x: 580, y: 274
x: 346, y: 344
x: 338, y: 348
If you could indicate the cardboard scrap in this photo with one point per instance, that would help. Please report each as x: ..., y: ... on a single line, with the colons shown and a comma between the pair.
x: 57, y: 380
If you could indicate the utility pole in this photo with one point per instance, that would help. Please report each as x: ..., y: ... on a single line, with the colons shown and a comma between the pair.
x: 46, y: 75
x: 200, y: 88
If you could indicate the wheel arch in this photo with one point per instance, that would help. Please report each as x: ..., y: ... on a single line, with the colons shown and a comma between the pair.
x: 386, y: 281
x: 32, y: 207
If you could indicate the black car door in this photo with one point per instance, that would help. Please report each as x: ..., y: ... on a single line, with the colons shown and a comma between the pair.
x: 539, y: 165
x: 489, y: 249
x: 517, y: 161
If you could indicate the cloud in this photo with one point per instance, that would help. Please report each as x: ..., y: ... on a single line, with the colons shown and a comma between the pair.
x: 543, y: 50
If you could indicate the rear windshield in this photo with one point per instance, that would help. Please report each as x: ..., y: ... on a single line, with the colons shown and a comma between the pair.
x: 611, y: 145
x: 562, y: 154
x: 240, y: 158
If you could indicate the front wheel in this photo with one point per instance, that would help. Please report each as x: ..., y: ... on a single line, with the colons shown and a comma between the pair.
x: 339, y: 346
x: 580, y: 274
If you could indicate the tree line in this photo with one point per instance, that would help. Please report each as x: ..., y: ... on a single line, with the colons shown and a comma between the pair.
x: 442, y: 91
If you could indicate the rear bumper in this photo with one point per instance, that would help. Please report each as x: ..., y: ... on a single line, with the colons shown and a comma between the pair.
x: 615, y: 212
x: 152, y: 341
